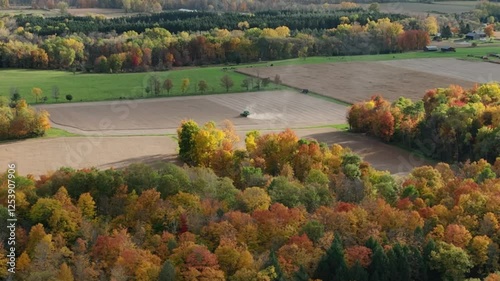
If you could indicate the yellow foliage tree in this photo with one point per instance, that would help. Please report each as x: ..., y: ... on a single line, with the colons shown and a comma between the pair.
x: 255, y: 198
x: 250, y: 139
x: 478, y: 250
x: 431, y: 25
x: 65, y: 273
x: 269, y: 32
x: 86, y: 205
x: 23, y: 262
x: 206, y: 141
x: 243, y: 25
x: 232, y: 257
x: 283, y: 31
x: 222, y: 33
x: 37, y: 92
x: 185, y: 85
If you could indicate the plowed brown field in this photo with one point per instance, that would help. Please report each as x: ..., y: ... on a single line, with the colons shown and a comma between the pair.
x: 356, y: 81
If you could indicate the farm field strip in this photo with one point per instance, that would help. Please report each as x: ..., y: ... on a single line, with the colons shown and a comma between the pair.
x: 49, y: 154
x: 474, y: 71
x: 269, y: 110
x: 425, y: 8
x: 357, y: 81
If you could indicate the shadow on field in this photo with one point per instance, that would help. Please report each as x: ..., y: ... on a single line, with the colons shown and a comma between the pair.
x: 380, y: 155
x: 154, y: 161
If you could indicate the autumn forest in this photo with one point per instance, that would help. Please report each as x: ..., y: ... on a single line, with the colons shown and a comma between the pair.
x: 282, y: 208
x: 272, y: 206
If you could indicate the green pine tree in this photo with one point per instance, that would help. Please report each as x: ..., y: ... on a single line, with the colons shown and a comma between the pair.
x: 167, y: 272
x: 358, y: 273
x: 379, y: 267
x: 332, y: 265
x: 417, y: 266
x: 301, y: 275
x: 185, y: 140
x: 399, y: 268
x: 432, y: 274
x: 273, y: 261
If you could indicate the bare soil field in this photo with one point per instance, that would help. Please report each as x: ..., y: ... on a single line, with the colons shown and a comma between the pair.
x: 436, y: 8
x: 473, y: 71
x: 357, y: 81
x: 39, y: 156
x: 103, y: 121
x: 269, y: 110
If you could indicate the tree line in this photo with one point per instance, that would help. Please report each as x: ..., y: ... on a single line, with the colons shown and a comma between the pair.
x: 205, y: 5
x: 156, y: 86
x: 176, y: 21
x: 283, y: 208
x: 448, y: 124
x: 159, y: 49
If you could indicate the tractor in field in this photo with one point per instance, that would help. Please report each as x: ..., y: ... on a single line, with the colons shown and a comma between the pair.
x: 245, y: 113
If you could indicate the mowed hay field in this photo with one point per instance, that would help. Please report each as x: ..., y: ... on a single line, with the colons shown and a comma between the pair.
x: 356, y: 81
x: 269, y: 110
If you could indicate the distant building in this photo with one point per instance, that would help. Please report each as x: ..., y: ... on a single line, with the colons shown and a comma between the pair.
x: 475, y: 35
x: 187, y: 10
x: 431, y: 48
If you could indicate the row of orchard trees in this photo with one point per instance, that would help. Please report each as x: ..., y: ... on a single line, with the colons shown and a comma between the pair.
x: 156, y: 86
x: 158, y: 49
x: 450, y: 124
x: 19, y: 121
x: 281, y: 209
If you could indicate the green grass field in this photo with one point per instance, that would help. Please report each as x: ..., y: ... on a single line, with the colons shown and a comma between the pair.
x: 97, y: 87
